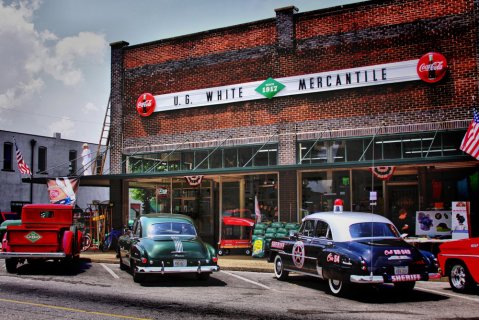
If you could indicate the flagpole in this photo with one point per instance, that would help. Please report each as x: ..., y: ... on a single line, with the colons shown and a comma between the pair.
x: 32, y: 144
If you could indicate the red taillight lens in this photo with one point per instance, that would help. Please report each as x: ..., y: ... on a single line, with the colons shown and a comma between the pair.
x: 364, y: 266
x: 215, y: 259
x: 144, y: 260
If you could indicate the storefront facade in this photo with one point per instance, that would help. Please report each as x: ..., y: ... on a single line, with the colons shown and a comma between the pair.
x: 293, y: 112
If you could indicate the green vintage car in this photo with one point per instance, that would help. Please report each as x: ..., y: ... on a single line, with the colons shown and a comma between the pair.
x: 163, y: 244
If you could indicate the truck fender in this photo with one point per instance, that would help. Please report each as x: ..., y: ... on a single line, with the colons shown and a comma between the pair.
x: 67, y: 242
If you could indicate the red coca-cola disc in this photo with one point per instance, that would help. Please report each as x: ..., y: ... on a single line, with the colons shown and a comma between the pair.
x: 145, y: 105
x: 432, y: 67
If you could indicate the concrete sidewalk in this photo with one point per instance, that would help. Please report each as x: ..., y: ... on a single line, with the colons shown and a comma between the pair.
x: 229, y: 262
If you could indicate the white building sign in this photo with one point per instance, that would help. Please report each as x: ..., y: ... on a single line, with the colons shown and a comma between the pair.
x: 311, y: 83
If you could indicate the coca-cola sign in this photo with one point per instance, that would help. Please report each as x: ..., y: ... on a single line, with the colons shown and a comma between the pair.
x: 145, y: 105
x: 432, y: 67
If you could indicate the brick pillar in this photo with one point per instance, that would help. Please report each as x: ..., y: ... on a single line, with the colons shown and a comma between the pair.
x: 287, y: 144
x: 288, y: 196
x: 116, y: 99
x: 285, y: 27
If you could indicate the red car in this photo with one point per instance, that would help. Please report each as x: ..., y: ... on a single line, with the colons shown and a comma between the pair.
x: 459, y: 260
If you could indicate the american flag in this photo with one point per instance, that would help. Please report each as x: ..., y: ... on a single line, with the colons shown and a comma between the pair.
x: 470, y: 143
x: 22, y: 166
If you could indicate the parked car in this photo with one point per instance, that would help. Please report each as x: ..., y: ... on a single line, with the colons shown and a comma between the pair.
x: 459, y: 260
x: 164, y: 244
x: 347, y: 248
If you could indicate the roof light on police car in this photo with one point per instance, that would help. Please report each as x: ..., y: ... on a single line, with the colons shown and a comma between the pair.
x: 338, y: 205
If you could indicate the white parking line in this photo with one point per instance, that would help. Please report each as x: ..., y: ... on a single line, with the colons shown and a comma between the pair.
x: 247, y: 280
x: 114, y: 275
x: 448, y: 294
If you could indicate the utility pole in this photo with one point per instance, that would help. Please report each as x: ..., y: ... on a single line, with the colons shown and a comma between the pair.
x: 32, y: 144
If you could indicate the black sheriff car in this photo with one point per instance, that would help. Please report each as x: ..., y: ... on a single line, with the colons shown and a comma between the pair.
x: 348, y: 248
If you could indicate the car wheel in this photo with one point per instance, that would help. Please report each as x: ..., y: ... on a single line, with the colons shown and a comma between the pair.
x: 404, y: 287
x: 122, y: 265
x: 203, y: 276
x: 220, y: 252
x: 460, y: 279
x: 247, y: 252
x: 279, y: 271
x: 137, y: 277
x: 337, y: 287
x: 11, y: 265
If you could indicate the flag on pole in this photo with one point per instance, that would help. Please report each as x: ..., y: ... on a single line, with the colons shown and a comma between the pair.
x: 470, y: 143
x: 22, y: 166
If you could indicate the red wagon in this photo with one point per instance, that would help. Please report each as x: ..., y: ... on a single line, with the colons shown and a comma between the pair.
x: 236, y: 233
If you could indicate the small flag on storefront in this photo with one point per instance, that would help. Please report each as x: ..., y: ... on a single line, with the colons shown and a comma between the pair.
x: 470, y: 143
x: 22, y: 166
x: 257, y: 211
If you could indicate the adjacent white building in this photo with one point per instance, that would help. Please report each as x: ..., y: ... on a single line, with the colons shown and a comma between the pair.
x: 47, y: 157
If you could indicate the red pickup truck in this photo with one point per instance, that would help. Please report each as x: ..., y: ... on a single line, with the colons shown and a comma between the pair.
x: 45, y: 232
x: 459, y: 260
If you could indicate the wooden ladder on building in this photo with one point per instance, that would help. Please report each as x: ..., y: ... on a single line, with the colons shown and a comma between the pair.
x: 100, y: 159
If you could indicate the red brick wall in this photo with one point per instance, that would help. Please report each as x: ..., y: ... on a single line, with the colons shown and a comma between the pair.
x: 359, y: 35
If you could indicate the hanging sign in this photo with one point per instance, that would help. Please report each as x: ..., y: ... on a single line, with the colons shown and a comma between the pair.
x: 62, y: 190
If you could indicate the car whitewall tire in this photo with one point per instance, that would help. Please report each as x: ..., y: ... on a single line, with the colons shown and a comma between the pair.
x: 279, y: 271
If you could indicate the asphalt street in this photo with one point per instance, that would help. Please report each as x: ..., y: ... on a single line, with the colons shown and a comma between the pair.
x: 103, y: 291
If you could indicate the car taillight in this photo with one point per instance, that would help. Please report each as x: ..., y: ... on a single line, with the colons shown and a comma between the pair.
x: 215, y: 259
x: 364, y: 265
x: 144, y: 260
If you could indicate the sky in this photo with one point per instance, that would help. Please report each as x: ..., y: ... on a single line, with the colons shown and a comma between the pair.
x: 55, y: 54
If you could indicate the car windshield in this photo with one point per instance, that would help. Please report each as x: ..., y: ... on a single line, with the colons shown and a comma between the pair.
x: 170, y: 228
x: 373, y: 230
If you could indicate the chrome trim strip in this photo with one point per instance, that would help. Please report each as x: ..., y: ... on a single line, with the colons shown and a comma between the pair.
x: 163, y: 269
x: 6, y: 255
x: 366, y: 279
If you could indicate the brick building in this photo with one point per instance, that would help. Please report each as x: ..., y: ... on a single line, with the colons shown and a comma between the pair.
x: 296, y: 109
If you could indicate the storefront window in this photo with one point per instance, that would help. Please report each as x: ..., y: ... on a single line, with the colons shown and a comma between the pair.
x: 320, y: 189
x: 406, y: 146
x: 247, y: 156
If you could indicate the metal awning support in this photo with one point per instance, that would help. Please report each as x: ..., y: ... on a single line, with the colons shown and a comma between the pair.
x: 311, y: 148
x: 209, y: 154
x: 158, y: 162
x: 254, y: 155
x: 370, y: 142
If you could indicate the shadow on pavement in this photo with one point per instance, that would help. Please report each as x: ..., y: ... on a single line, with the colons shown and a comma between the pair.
x: 53, y: 268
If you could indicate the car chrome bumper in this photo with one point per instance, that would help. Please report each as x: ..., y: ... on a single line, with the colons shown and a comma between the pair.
x: 163, y: 270
x: 380, y: 279
x: 44, y: 255
x: 366, y: 279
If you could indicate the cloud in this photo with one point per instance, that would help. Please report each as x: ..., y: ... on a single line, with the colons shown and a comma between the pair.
x: 90, y: 107
x: 64, y: 125
x: 29, y: 56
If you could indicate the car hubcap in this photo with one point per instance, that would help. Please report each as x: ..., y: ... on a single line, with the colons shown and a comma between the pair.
x: 279, y: 266
x: 458, y: 276
x: 335, y: 285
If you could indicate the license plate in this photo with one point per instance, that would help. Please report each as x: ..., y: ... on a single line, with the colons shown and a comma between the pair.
x: 401, y: 270
x: 179, y: 263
